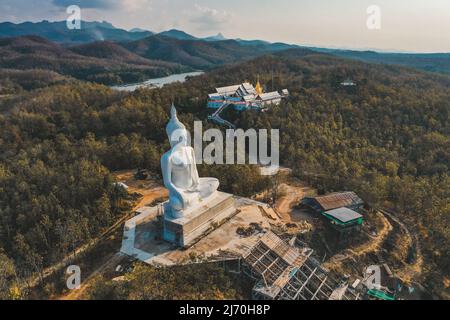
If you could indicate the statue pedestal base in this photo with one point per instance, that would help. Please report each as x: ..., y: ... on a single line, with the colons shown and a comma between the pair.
x: 198, y: 221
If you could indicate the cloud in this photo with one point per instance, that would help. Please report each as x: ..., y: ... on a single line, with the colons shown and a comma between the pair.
x: 89, y: 4
x: 209, y: 18
x: 127, y: 5
x: 137, y: 5
x: 26, y: 10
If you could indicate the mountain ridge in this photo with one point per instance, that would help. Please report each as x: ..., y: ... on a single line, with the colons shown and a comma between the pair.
x: 195, y: 53
x: 58, y: 32
x: 103, y: 62
x: 206, y: 52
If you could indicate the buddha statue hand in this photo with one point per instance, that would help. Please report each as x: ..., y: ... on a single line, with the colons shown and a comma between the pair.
x: 177, y: 200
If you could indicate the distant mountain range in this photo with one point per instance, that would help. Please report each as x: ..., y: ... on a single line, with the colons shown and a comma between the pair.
x: 176, y: 46
x: 58, y: 32
x: 181, y: 35
x: 177, y: 34
x: 431, y: 62
x: 90, y: 31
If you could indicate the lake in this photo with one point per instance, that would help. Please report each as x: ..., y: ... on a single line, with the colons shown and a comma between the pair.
x: 157, y: 82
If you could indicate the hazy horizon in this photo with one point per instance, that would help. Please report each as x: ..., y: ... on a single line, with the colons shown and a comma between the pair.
x: 406, y: 26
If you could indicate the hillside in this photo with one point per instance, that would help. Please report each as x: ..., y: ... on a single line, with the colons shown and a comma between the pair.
x: 387, y: 139
x: 197, y: 53
x: 15, y: 81
x: 58, y: 32
x: 31, y: 45
x: 102, y: 62
x: 112, y: 51
x: 436, y: 62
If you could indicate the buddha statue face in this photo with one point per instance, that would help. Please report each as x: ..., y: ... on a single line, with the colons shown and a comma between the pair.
x: 176, y: 131
x: 179, y: 138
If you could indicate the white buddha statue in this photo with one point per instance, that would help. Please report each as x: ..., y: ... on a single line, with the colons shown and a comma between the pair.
x: 179, y: 169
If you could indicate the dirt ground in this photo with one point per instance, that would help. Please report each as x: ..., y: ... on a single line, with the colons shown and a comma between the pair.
x: 292, y: 193
x: 150, y: 189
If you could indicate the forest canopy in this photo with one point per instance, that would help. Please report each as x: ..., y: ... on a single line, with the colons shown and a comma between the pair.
x: 387, y: 139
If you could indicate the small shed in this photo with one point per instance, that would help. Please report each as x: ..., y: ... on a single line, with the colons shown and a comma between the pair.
x: 344, y: 217
x: 341, y: 210
x: 334, y: 201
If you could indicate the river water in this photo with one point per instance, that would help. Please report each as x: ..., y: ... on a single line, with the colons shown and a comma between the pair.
x: 157, y: 82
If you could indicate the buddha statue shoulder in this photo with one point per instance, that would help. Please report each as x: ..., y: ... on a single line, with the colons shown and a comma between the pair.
x: 179, y: 169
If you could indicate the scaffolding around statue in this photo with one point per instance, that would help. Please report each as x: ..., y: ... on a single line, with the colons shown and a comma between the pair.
x: 285, y: 272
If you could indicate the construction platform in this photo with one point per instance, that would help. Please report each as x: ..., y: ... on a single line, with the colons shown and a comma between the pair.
x: 194, y: 224
x: 144, y: 237
x: 285, y: 272
x: 281, y: 271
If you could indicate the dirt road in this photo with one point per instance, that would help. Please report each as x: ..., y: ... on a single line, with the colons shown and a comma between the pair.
x: 111, y: 262
x: 410, y: 271
x: 373, y: 246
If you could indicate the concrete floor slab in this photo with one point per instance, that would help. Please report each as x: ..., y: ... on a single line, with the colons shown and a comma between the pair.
x: 143, y: 237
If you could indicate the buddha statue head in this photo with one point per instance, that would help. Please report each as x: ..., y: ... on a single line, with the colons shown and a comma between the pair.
x: 176, y: 131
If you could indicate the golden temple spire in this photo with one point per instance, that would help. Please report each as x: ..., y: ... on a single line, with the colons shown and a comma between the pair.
x: 258, y: 87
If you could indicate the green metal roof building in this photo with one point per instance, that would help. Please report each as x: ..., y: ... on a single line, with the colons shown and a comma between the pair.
x: 344, y: 217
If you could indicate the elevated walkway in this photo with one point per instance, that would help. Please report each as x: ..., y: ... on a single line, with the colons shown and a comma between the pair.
x: 215, y: 117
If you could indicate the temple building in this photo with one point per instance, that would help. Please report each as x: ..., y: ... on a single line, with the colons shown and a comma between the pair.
x: 245, y: 96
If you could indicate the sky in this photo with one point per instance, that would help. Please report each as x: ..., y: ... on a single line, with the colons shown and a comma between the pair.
x: 404, y: 25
